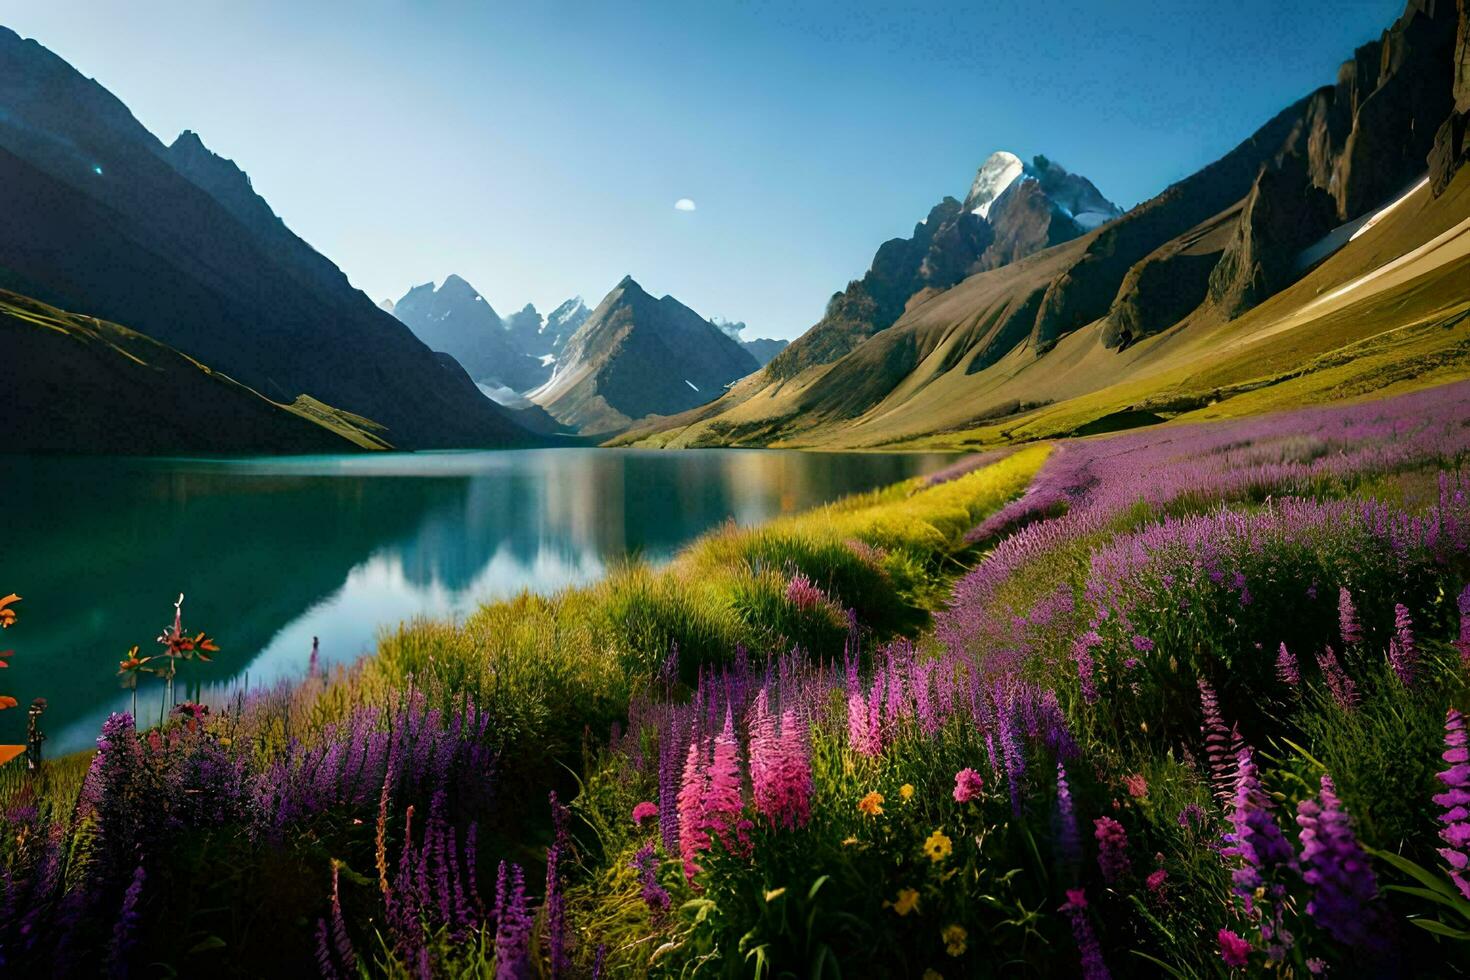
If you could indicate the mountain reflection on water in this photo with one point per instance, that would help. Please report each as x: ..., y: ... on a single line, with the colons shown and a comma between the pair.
x: 271, y: 551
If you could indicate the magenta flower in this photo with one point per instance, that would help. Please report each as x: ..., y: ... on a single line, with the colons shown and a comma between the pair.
x: 1112, y: 849
x: 692, y: 836
x: 803, y: 593
x: 1137, y: 786
x: 1156, y: 880
x: 780, y: 766
x: 1456, y: 801
x: 644, y: 811
x: 967, y: 785
x: 1234, y: 950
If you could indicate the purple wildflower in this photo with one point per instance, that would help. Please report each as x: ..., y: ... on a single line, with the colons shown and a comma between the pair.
x: 512, y: 925
x: 1143, y: 644
x: 1112, y: 849
x: 1287, y: 670
x: 1088, y: 948
x: 1069, y: 845
x: 1218, y: 743
x: 1336, y: 867
x: 1462, y: 643
x: 1403, y: 654
x: 1347, y: 619
x: 655, y: 896
x: 123, y: 937
x: 1344, y: 691
x: 556, y: 913
x: 1258, y: 841
x: 1456, y: 800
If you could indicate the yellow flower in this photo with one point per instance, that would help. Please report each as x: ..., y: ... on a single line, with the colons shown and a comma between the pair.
x: 906, y: 792
x: 932, y: 975
x: 849, y: 841
x: 954, y: 937
x: 938, y: 847
x: 872, y: 804
x: 907, y: 901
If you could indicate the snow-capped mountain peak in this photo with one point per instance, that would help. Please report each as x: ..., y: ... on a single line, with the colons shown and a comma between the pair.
x: 999, y: 171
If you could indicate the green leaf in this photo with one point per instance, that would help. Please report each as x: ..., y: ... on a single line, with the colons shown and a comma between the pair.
x: 811, y: 892
x: 1173, y: 972
x: 1426, y: 893
x: 1424, y: 876
x: 1440, y: 929
x: 206, y: 944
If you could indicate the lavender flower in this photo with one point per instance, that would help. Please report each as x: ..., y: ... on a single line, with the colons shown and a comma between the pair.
x: 512, y: 925
x: 1456, y: 801
x: 1258, y: 841
x: 1336, y: 867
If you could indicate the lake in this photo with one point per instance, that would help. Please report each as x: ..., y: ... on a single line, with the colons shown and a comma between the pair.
x: 271, y: 551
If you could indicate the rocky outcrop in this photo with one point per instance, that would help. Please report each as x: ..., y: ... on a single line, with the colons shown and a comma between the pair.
x: 1451, y: 149
x: 1011, y: 211
x: 1283, y: 214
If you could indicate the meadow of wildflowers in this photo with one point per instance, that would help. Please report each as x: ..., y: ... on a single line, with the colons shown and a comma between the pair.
x: 1189, y: 705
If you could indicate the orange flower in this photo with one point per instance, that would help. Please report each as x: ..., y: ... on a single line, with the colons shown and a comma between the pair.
x: 6, y: 701
x: 132, y: 663
x: 872, y: 804
x: 3, y: 655
x: 7, y: 616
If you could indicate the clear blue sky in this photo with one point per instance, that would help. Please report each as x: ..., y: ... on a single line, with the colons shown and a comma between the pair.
x: 538, y: 148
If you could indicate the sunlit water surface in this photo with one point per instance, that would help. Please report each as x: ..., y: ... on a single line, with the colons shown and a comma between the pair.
x: 272, y: 551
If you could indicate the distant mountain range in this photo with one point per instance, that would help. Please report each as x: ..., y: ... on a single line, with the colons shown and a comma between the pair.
x: 654, y: 340
x: 636, y: 356
x: 1290, y: 265
x: 173, y: 244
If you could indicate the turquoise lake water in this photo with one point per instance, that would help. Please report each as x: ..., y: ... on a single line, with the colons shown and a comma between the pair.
x: 271, y: 551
